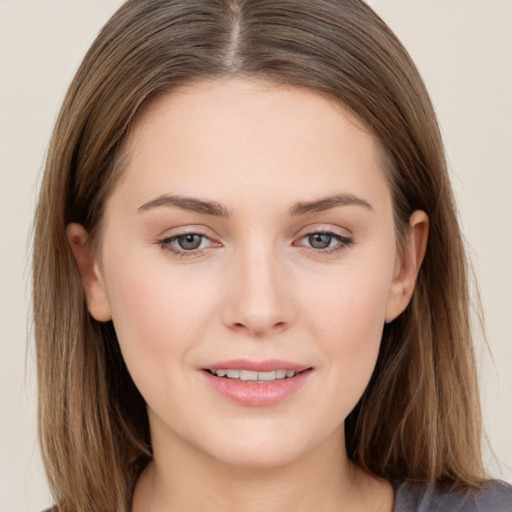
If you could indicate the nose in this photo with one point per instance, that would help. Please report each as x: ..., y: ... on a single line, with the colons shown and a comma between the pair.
x: 260, y: 299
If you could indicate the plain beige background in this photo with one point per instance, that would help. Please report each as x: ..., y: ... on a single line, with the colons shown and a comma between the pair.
x: 463, y: 49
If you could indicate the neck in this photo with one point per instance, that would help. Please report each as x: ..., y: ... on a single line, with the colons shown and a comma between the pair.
x: 180, y: 478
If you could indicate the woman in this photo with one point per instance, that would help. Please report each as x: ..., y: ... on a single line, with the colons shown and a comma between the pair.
x: 249, y: 282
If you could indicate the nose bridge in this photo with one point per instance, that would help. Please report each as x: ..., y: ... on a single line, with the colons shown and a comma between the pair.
x: 259, y: 302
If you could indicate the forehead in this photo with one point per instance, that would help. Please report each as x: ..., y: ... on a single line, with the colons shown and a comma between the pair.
x: 256, y: 134
x: 244, y: 101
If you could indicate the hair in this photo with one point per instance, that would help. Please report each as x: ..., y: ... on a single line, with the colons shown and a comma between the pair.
x: 419, y: 418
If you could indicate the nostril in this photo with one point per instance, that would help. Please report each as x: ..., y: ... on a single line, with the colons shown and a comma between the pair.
x: 259, y: 330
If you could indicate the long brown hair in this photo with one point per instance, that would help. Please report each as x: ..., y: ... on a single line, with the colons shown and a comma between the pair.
x: 419, y: 418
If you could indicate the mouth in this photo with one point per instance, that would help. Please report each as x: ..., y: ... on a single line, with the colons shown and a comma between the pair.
x: 257, y: 384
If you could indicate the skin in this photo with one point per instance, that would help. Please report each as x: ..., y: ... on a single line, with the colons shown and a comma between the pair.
x: 256, y: 288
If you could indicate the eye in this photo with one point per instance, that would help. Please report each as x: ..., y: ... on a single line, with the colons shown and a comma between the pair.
x: 320, y: 240
x: 190, y: 241
x: 325, y: 242
x: 187, y: 244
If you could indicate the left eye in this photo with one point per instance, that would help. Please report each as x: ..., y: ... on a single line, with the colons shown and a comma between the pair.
x: 325, y: 241
x: 320, y: 240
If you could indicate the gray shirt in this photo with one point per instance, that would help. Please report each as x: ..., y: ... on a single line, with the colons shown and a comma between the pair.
x: 496, y: 496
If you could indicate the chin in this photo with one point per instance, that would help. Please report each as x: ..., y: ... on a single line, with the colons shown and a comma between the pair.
x: 264, y: 447
x: 256, y: 457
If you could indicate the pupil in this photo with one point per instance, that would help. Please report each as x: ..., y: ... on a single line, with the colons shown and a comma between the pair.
x: 320, y: 240
x: 189, y: 242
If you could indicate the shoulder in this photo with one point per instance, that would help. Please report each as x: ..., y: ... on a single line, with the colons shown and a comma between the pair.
x: 495, y: 496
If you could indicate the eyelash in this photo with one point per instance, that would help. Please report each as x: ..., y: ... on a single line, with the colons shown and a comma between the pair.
x: 343, y: 243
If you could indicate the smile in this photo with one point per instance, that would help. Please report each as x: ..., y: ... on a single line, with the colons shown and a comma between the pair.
x: 256, y: 384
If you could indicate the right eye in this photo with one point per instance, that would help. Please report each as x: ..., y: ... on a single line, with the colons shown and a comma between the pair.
x: 187, y: 244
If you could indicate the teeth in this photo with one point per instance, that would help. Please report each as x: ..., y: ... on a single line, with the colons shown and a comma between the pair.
x: 247, y: 375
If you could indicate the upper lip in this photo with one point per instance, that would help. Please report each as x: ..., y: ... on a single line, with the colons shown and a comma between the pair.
x: 268, y: 365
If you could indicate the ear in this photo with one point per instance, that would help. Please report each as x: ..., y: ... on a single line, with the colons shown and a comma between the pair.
x: 97, y: 300
x: 407, y: 265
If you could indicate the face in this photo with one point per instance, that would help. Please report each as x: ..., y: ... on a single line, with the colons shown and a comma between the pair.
x: 251, y: 231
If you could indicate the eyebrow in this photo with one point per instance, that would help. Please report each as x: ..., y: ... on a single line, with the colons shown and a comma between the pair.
x: 327, y: 203
x: 216, y: 209
x: 187, y: 203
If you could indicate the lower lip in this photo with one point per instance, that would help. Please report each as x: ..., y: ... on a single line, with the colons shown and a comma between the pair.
x: 257, y: 394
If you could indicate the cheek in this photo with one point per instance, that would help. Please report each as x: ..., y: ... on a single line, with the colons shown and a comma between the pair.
x: 348, y: 307
x: 159, y: 316
x: 346, y: 319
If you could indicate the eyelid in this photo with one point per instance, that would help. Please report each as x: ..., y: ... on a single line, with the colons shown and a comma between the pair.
x: 334, y: 230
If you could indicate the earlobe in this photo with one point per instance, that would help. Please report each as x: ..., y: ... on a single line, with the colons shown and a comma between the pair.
x: 96, y: 296
x: 408, y: 265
